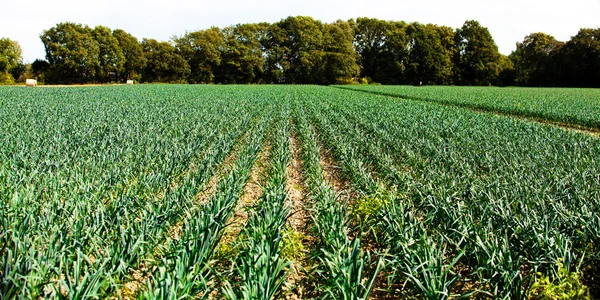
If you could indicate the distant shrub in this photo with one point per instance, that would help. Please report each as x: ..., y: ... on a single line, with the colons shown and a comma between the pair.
x: 346, y: 80
x: 6, y: 78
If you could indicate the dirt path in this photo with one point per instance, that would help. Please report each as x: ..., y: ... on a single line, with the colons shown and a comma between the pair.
x: 332, y: 172
x: 250, y: 195
x: 298, y: 221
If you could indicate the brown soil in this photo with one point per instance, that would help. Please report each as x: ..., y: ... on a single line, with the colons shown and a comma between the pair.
x: 295, y: 187
x: 130, y: 289
x: 332, y: 172
x: 463, y: 285
x: 298, y: 221
x: 250, y: 194
x: 381, y: 290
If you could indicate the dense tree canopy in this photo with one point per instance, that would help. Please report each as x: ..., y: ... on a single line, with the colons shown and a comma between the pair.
x: 429, y: 53
x: 164, y: 63
x: 202, y: 50
x: 72, y: 53
x: 532, y: 58
x: 241, y: 54
x: 304, y: 50
x: 380, y: 46
x: 578, y: 61
x: 541, y: 60
x: 478, y: 59
x: 10, y: 59
x: 133, y: 56
x: 340, y: 56
x: 111, y: 59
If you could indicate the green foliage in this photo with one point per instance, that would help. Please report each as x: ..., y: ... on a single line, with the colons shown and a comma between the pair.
x: 96, y: 193
x: 430, y: 54
x: 242, y: 54
x: 471, y: 220
x: 10, y: 55
x: 164, y: 63
x: 541, y: 60
x: 111, y: 60
x: 302, y: 50
x: 570, y: 106
x: 340, y: 56
x: 508, y: 74
x: 367, y: 209
x: 201, y: 51
x: 380, y: 46
x: 478, y: 59
x: 566, y: 285
x: 133, y: 56
x: 11, y: 61
x: 301, y: 40
x: 577, y: 63
x: 531, y: 58
x: 261, y: 266
x: 292, y: 247
x: 72, y: 53
x: 6, y: 78
x: 347, y: 81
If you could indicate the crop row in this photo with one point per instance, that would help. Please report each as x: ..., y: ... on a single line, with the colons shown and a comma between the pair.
x: 578, y: 107
x: 111, y: 187
x: 491, y: 200
x: 93, y: 180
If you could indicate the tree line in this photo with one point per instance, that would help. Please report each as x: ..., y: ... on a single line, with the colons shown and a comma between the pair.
x: 302, y: 50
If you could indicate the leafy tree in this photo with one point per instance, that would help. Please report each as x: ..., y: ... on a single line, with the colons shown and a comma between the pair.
x: 20, y: 72
x: 274, y: 51
x: 381, y: 46
x: 202, y: 52
x: 133, y: 54
x: 39, y: 68
x: 532, y: 58
x: 301, y: 39
x: 111, y: 59
x: 449, y: 49
x: 508, y: 74
x: 340, y: 56
x: 25, y: 72
x: 304, y: 50
x: 10, y: 60
x: 164, y: 63
x: 242, y: 59
x: 429, y: 61
x: 478, y: 59
x: 577, y: 63
x: 72, y: 53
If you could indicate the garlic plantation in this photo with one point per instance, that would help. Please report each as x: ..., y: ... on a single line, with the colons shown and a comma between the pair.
x: 271, y: 192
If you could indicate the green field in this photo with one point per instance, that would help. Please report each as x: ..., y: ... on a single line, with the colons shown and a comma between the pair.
x: 580, y: 107
x: 262, y: 192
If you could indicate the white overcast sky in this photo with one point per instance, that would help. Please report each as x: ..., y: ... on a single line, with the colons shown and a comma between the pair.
x: 509, y: 21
